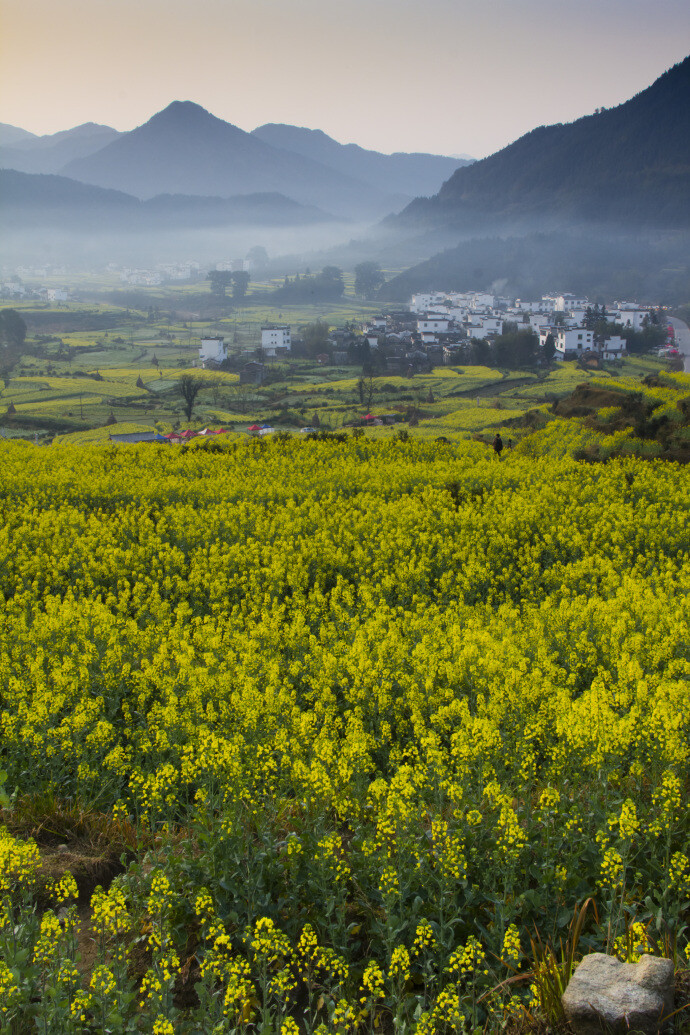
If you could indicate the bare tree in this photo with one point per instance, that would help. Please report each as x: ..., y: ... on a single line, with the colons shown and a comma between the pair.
x: 189, y: 387
x: 365, y: 389
x: 242, y: 393
x: 369, y: 391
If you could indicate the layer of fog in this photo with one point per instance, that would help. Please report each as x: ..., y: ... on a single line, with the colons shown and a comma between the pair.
x: 84, y: 251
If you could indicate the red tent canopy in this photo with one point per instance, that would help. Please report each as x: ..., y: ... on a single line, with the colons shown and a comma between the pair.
x: 254, y: 427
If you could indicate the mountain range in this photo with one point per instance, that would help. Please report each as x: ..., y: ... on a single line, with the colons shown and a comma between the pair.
x: 184, y: 149
x: 26, y: 152
x: 608, y: 192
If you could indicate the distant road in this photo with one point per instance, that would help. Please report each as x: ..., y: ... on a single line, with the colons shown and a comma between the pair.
x: 682, y: 332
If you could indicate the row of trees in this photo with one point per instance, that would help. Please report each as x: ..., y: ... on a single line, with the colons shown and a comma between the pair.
x: 329, y: 285
x: 368, y: 279
x: 326, y: 286
x: 513, y: 349
x: 650, y: 337
x: 221, y: 280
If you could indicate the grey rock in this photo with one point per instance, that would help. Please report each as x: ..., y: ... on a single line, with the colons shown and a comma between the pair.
x: 605, y: 995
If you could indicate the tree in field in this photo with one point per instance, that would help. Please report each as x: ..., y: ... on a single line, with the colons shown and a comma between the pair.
x: 240, y: 283
x: 243, y: 393
x: 368, y: 279
x: 316, y: 338
x: 258, y: 255
x: 12, y: 337
x: 479, y: 352
x: 332, y: 278
x: 220, y: 280
x: 365, y: 390
x: 548, y: 349
x: 326, y: 286
x: 12, y: 328
x: 189, y: 387
x: 515, y: 349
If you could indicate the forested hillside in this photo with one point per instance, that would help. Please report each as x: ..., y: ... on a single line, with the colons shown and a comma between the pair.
x: 628, y: 165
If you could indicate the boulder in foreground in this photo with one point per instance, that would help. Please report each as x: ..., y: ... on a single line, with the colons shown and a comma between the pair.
x: 607, y: 995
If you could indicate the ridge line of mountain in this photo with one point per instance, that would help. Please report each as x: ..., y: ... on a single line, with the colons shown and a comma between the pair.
x: 50, y: 199
x: 185, y: 149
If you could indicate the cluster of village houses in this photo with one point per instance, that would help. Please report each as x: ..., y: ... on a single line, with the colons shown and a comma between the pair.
x: 436, y: 328
x: 443, y: 316
x: 15, y: 289
x: 432, y: 329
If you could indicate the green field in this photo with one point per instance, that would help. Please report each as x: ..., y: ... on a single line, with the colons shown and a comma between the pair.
x: 87, y: 364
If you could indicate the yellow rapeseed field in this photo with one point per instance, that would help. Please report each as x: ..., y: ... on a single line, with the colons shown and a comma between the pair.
x: 371, y: 712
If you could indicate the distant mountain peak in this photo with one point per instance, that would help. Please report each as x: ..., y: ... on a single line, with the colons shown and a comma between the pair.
x: 186, y: 119
x: 183, y: 112
x: 183, y: 106
x: 90, y: 127
x: 84, y: 129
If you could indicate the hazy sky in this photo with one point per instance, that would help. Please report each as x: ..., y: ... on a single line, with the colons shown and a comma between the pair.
x: 446, y: 76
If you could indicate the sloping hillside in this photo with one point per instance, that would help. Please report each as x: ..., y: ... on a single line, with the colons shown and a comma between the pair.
x: 626, y: 165
x: 651, y: 267
x: 405, y: 174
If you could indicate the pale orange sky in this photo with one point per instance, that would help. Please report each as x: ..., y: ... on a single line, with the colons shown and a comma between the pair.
x: 446, y: 76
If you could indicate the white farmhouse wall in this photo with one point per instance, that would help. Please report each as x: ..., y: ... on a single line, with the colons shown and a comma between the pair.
x: 213, y: 350
x: 273, y: 338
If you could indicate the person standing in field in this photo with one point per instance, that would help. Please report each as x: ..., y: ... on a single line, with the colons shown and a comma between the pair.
x: 498, y: 445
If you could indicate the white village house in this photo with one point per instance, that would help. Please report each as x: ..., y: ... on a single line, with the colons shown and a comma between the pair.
x: 627, y: 316
x: 433, y: 325
x: 570, y: 342
x: 275, y: 339
x: 614, y: 347
x: 213, y: 350
x: 567, y: 302
x: 483, y: 326
x: 422, y: 302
